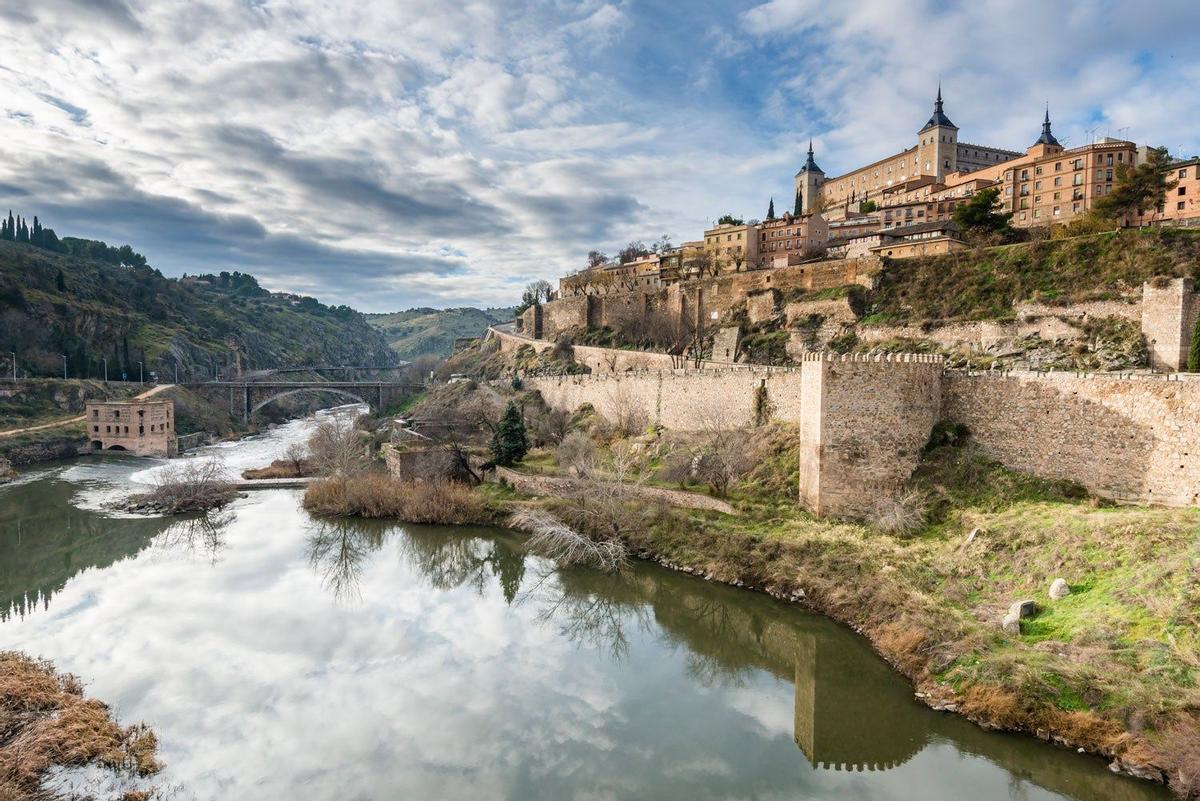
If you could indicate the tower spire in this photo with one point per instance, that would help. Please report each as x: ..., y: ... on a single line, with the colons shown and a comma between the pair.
x: 1047, y: 138
x: 939, y: 118
x: 811, y: 165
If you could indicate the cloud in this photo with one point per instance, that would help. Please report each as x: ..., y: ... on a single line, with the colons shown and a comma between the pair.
x: 387, y: 154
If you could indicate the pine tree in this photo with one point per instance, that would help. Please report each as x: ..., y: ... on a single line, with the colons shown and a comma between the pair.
x: 509, y: 444
x: 771, y: 210
x: 799, y: 210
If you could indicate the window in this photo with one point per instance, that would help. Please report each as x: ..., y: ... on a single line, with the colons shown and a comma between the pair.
x: 1179, y: 206
x: 1074, y: 208
x: 1183, y: 173
x: 1037, y: 184
x: 96, y: 429
x: 1056, y: 194
x: 1037, y: 170
x: 1058, y: 181
x: 117, y: 413
x: 141, y: 431
x: 1108, y: 175
x: 1023, y: 215
x: 1037, y: 213
x: 1057, y: 167
x: 1056, y: 211
x: 108, y: 429
x: 95, y: 414
x: 1181, y: 190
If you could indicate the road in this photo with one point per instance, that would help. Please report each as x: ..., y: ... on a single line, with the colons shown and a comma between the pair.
x: 12, y: 432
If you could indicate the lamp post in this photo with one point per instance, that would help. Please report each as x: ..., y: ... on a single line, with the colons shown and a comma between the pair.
x: 105, y: 370
x: 141, y: 374
x: 14, y: 361
x: 64, y: 357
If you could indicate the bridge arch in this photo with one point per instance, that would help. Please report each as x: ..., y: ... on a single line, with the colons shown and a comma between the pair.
x: 288, y: 392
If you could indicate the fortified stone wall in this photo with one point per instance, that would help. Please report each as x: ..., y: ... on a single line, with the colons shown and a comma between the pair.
x: 1169, y: 311
x: 865, y: 422
x: 1124, y: 438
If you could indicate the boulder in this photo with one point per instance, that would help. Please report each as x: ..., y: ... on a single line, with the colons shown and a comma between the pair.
x: 1020, y: 609
x: 1011, y: 623
x: 1059, y: 589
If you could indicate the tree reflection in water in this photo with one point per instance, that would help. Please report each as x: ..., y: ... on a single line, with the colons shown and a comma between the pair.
x: 589, y: 610
x: 204, y: 534
x: 338, y: 550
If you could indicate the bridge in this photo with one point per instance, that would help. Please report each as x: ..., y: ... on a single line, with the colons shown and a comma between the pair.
x: 247, y: 397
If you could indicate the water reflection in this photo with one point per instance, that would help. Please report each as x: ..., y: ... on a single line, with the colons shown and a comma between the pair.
x: 347, y: 659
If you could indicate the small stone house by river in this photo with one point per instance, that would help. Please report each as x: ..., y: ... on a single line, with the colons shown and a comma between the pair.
x: 145, y: 428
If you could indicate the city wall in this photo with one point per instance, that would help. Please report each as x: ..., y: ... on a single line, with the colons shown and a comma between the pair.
x: 1127, y: 438
x: 862, y: 420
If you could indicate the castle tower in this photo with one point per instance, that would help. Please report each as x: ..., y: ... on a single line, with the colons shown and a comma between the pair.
x: 937, y: 152
x: 808, y: 182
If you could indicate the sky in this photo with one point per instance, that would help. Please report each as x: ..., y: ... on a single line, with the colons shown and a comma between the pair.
x: 388, y: 154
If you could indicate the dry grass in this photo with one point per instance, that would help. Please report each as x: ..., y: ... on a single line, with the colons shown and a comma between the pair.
x: 281, y: 468
x: 46, y: 722
x: 378, y: 495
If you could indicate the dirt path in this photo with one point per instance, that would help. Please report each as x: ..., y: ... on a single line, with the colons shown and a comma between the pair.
x: 12, y: 432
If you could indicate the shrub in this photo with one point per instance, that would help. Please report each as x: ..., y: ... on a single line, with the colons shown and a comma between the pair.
x: 576, y: 453
x: 338, y: 448
x: 565, y: 546
x: 902, y: 514
x: 195, y: 485
x: 378, y: 495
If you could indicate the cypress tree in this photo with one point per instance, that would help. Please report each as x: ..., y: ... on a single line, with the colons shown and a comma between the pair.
x: 771, y: 210
x: 36, y: 237
x: 61, y: 282
x: 799, y: 210
x: 22, y: 231
x: 12, y: 226
x: 509, y: 444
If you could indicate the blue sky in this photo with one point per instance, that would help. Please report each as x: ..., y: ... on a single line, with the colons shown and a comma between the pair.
x: 390, y: 154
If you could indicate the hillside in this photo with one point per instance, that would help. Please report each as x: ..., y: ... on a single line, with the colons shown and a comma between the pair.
x: 55, y: 304
x: 420, y: 332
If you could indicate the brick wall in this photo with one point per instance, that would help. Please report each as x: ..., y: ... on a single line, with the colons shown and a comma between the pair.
x: 1126, y: 438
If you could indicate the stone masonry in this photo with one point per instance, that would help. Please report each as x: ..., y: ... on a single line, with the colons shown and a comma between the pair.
x: 1169, y: 311
x: 146, y: 428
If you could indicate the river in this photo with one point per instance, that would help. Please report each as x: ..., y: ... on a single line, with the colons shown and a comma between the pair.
x: 278, y: 657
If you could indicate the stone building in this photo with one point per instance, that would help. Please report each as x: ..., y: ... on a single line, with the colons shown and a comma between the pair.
x: 787, y: 236
x: 937, y: 154
x: 1181, y: 206
x: 145, y: 427
x: 732, y: 247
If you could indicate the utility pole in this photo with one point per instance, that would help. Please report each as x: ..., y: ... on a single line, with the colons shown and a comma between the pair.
x: 105, y: 370
x: 14, y: 361
x: 176, y: 371
x: 141, y: 374
x: 64, y: 366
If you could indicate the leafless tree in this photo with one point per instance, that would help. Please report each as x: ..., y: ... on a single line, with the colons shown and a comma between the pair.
x: 577, y: 453
x: 338, y: 448
x: 625, y: 412
x: 191, y: 485
x: 722, y: 460
x: 540, y: 290
x: 565, y: 546
x: 296, y: 455
x: 596, y: 258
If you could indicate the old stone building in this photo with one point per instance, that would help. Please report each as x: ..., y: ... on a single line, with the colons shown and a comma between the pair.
x: 145, y: 428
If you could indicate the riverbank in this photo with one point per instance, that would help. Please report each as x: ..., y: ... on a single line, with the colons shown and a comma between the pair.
x: 1110, y: 668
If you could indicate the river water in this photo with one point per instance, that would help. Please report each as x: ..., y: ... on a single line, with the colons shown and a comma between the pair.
x: 278, y: 657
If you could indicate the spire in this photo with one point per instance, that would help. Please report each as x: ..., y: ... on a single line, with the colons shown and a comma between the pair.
x: 939, y: 118
x: 810, y: 165
x: 1047, y: 138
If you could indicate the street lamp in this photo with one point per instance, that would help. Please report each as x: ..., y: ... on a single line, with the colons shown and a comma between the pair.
x: 14, y: 361
x: 141, y: 374
x: 64, y: 365
x: 105, y: 370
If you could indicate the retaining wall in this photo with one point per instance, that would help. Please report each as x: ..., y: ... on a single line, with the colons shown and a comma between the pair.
x: 1128, y: 438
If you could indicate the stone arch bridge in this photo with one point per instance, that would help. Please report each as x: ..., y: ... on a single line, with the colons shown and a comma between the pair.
x: 247, y: 397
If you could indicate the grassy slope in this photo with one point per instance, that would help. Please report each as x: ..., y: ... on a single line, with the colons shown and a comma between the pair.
x: 135, y: 314
x: 418, y: 332
x: 983, y: 284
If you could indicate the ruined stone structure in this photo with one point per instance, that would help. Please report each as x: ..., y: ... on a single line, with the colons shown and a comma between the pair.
x: 145, y: 428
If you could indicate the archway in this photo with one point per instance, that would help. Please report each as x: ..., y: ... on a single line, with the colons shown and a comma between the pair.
x: 331, y: 390
x: 97, y: 445
x: 116, y: 447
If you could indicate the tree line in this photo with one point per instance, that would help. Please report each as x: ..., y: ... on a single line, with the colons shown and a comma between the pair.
x: 17, y: 229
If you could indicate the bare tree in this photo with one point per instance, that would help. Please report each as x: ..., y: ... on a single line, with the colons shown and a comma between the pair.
x: 191, y: 485
x: 722, y: 460
x: 338, y: 448
x: 625, y: 411
x: 565, y: 546
x: 577, y: 453
x: 540, y: 291
x: 596, y: 258
x: 296, y: 455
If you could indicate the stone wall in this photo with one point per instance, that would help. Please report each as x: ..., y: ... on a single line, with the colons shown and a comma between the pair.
x: 1121, y: 437
x: 1169, y: 310
x: 864, y: 424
